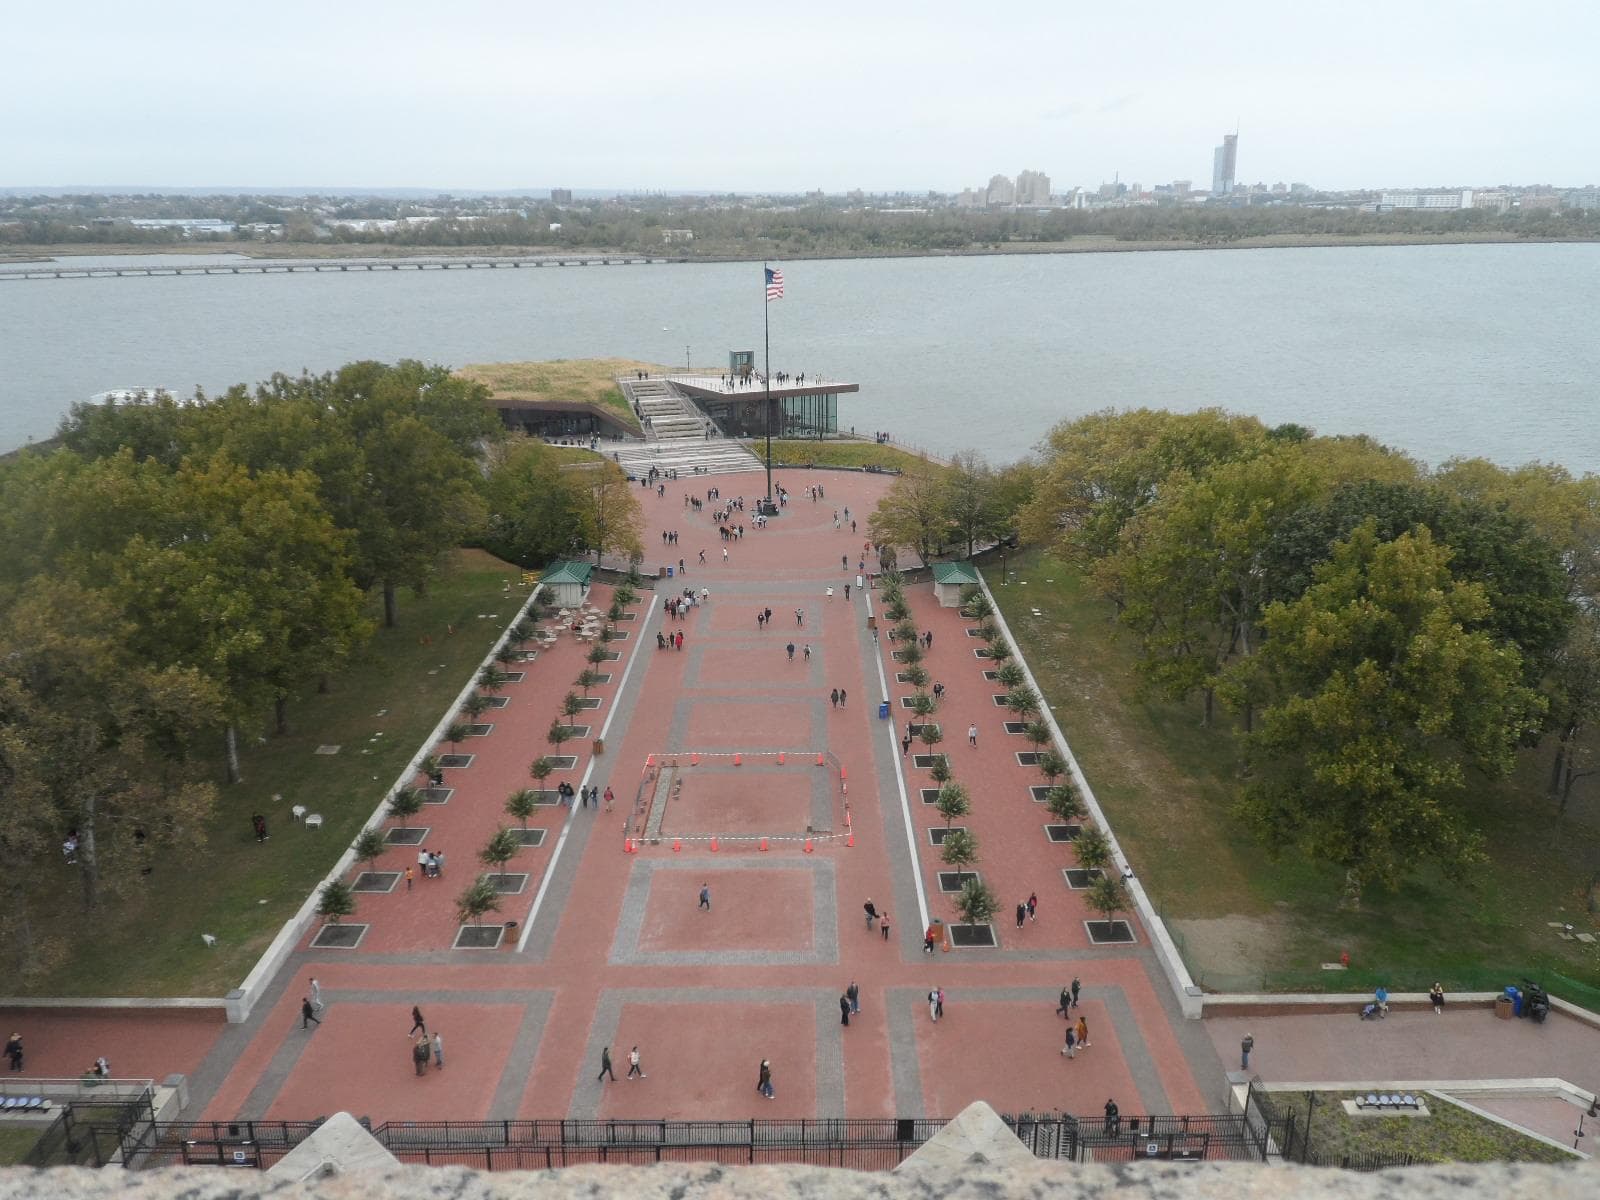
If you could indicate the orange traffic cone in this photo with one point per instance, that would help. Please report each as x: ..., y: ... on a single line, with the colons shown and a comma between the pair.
x: 819, y: 758
x: 851, y: 840
x: 780, y: 758
x: 649, y: 760
x: 763, y: 844
x: 713, y: 845
x: 677, y: 845
x: 627, y: 845
x: 736, y: 759
x: 808, y: 845
x: 843, y: 774
x: 694, y: 759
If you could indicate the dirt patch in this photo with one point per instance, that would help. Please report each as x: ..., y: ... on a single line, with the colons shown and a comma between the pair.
x: 1226, y: 954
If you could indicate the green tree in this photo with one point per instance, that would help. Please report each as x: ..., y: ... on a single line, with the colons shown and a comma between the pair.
x: 1386, y: 685
x: 1107, y: 896
x: 523, y: 803
x: 587, y: 678
x: 335, y: 901
x: 609, y: 512
x: 540, y: 769
x: 93, y: 738
x: 455, y: 732
x: 475, y: 706
x: 500, y: 849
x: 930, y: 735
x: 1010, y: 675
x: 558, y: 734
x: 571, y: 705
x: 370, y: 846
x: 1052, y: 766
x: 405, y: 804
x: 959, y: 850
x: 491, y: 678
x: 477, y: 901
x: 1038, y: 734
x: 976, y: 902
x: 917, y: 675
x: 954, y: 803
x: 940, y: 771
x: 535, y: 509
x: 972, y: 500
x: 923, y: 704
x: 1091, y: 848
x: 1023, y: 701
x: 913, y: 512
x: 1063, y: 804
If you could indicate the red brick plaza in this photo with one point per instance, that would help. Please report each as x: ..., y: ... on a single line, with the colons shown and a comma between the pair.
x: 613, y: 949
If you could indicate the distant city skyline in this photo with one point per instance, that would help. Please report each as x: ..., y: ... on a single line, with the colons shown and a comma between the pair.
x: 631, y: 96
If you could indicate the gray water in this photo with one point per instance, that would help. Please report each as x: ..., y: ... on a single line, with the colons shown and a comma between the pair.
x: 1439, y: 350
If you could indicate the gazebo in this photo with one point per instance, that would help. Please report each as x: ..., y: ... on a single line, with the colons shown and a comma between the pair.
x: 566, y: 582
x: 948, y: 580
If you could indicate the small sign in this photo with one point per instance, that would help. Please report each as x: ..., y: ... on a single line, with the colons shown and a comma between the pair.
x: 1152, y: 1149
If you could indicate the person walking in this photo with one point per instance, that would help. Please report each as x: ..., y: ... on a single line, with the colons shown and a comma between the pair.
x: 1246, y: 1045
x: 417, y: 1022
x: 605, y: 1066
x: 1074, y: 991
x: 1033, y: 906
x: 938, y: 1002
x: 933, y: 1004
x: 1064, y: 1007
x: 14, y: 1051
x: 316, y: 995
x: 1113, y: 1125
x: 854, y: 995
x: 972, y: 735
x: 1436, y: 998
x: 1083, y: 1031
x: 764, y: 1081
x: 307, y: 1013
x: 844, y: 1011
x: 833, y: 698
x: 808, y: 651
x: 905, y: 744
x: 633, y: 1064
x: 1022, y: 913
x: 419, y: 1054
x: 1070, y: 1047
x: 842, y: 695
x: 411, y: 873
x: 790, y: 649
x: 883, y: 924
x: 705, y: 896
x: 872, y: 914
x: 847, y: 591
x: 438, y: 1050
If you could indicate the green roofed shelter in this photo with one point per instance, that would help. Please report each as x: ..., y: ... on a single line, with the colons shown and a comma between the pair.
x: 948, y: 580
x: 566, y: 582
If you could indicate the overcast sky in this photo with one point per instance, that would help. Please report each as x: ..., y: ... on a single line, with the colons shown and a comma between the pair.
x: 805, y: 94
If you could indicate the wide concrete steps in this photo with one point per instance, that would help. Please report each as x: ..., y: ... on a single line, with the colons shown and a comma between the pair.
x: 688, y: 456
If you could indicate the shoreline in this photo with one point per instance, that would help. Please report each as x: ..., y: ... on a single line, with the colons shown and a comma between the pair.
x: 268, y: 252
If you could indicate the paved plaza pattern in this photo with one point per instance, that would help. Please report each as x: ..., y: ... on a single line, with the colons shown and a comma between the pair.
x: 615, y: 949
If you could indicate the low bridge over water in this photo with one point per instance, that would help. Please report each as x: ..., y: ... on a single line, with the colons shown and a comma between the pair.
x: 290, y: 266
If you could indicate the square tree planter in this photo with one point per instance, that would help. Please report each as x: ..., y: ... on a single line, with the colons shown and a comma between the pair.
x: 1040, y: 793
x: 437, y: 795
x: 478, y: 937
x: 999, y: 700
x: 1078, y: 879
x: 529, y: 837
x: 1016, y: 726
x: 454, y: 762
x: 929, y: 795
x: 1063, y: 833
x: 508, y: 884
x: 951, y: 881
x: 563, y: 762
x: 992, y: 676
x: 497, y: 701
x: 972, y: 936
x: 924, y: 762
x: 412, y: 836
x: 1110, y: 933
x: 938, y: 833
x: 339, y: 937
x: 375, y: 881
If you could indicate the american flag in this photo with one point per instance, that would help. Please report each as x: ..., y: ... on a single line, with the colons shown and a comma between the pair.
x: 774, y: 284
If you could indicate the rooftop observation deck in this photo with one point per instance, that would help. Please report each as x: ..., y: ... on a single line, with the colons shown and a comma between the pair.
x: 703, y: 386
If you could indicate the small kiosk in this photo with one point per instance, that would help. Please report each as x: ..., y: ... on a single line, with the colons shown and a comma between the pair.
x: 566, y: 582
x: 948, y: 580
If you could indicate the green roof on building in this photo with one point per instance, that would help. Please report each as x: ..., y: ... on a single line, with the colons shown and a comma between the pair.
x: 567, y: 571
x: 954, y: 572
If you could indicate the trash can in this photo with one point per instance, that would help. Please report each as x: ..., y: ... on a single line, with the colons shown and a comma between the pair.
x: 1502, y: 1007
x: 872, y: 622
x: 669, y: 572
x: 883, y: 710
x: 1514, y: 994
x: 661, y: 572
x: 599, y: 747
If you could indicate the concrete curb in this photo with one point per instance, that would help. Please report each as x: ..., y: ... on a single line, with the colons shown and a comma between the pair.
x: 1189, y: 997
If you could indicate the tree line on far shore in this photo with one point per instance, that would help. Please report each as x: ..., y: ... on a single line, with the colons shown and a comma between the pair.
x: 176, y: 572
x: 1385, y: 634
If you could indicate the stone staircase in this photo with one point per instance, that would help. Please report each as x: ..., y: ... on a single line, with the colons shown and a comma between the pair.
x: 675, y: 435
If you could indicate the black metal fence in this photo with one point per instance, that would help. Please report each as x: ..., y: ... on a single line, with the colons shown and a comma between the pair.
x: 1291, y: 1138
x: 89, y: 1133
x: 1139, y: 1138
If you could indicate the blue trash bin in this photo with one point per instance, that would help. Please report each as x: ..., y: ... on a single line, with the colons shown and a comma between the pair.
x: 1515, y: 993
x: 670, y: 570
x: 883, y: 710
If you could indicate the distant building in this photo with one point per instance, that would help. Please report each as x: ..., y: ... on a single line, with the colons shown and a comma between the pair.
x: 1584, y: 197
x: 560, y: 195
x: 1224, y: 163
x: 1001, y: 192
x: 677, y: 235
x: 1182, y: 187
x: 1498, y: 200
x: 1431, y: 200
x: 1033, y: 188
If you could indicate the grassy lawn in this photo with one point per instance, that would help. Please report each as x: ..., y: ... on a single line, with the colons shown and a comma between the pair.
x: 837, y: 454
x: 1246, y: 920
x: 377, y: 712
x: 16, y: 1141
x: 1448, y: 1133
x: 571, y: 381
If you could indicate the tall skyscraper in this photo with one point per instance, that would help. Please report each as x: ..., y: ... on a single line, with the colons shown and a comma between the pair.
x: 1224, y: 159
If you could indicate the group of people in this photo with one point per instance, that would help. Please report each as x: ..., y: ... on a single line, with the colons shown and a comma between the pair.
x: 874, y: 917
x: 1028, y: 910
x: 430, y: 863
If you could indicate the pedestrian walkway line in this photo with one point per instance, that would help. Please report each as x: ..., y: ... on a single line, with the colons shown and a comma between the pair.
x: 572, y: 813
x: 900, y: 784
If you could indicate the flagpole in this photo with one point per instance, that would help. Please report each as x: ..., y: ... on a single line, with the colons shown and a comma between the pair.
x: 766, y: 338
